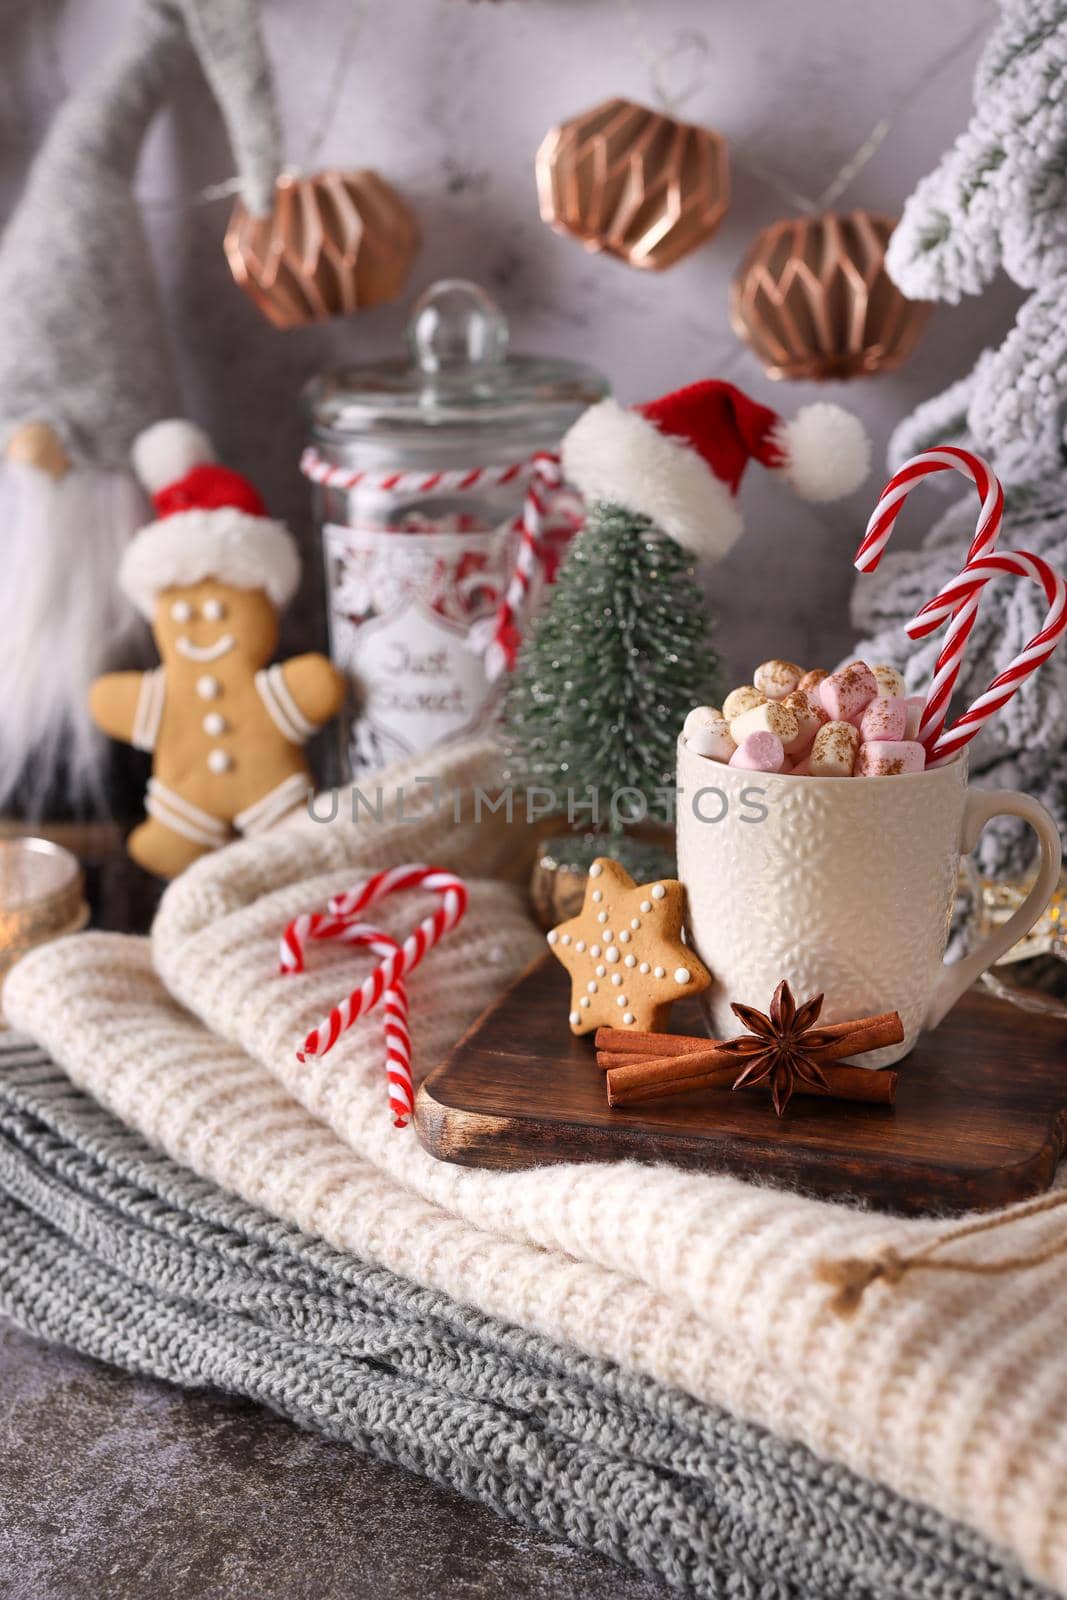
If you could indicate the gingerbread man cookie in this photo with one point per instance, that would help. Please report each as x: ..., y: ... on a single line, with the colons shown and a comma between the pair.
x: 625, y: 954
x: 226, y: 729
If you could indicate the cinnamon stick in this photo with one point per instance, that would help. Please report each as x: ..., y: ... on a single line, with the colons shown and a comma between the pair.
x: 624, y: 1040
x: 665, y: 1076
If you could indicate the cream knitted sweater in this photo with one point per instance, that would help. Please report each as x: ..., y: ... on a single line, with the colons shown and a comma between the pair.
x: 951, y: 1390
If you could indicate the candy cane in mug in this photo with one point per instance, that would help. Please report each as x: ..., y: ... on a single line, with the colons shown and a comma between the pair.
x: 987, y: 531
x: 965, y: 589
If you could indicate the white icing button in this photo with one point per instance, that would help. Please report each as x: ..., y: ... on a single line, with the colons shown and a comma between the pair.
x: 207, y: 687
x: 214, y: 724
x: 598, y: 895
x: 629, y: 961
x: 644, y: 967
x: 624, y: 936
x: 595, y: 870
x: 214, y: 610
x: 635, y: 923
x: 564, y: 938
x: 601, y: 971
x: 646, y: 905
x: 552, y: 936
x: 658, y: 892
x: 659, y: 972
x: 584, y: 1001
x: 591, y: 987
x: 219, y: 761
x: 608, y: 935
x: 602, y: 916
x: 574, y: 1019
x: 594, y: 950
x: 621, y: 1000
x: 616, y: 978
x: 181, y: 611
x: 579, y: 944
x: 681, y: 974
x: 611, y: 954
x: 627, y: 1016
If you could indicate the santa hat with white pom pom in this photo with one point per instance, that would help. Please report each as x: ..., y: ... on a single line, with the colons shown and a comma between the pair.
x: 679, y: 460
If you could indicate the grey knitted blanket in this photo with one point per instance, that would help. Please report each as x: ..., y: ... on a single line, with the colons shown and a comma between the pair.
x: 110, y: 1248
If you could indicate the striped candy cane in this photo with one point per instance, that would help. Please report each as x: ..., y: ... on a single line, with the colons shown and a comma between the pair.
x: 880, y: 527
x: 965, y: 590
x: 340, y: 923
x: 496, y: 638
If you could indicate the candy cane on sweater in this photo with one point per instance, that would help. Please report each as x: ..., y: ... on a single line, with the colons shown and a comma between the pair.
x: 987, y: 531
x: 495, y: 637
x: 964, y: 590
x: 399, y: 961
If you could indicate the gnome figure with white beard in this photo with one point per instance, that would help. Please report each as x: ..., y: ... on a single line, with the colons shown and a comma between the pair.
x: 85, y: 366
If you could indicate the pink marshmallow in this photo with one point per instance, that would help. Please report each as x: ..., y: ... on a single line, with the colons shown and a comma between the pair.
x: 884, y: 718
x: 847, y: 693
x: 801, y: 768
x: 759, y: 752
x: 914, y: 704
x: 888, y: 758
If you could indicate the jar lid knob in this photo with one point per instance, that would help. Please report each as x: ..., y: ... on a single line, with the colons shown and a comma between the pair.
x: 455, y: 325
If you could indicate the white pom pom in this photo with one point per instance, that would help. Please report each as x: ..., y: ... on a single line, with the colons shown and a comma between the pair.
x: 827, y: 452
x: 168, y: 450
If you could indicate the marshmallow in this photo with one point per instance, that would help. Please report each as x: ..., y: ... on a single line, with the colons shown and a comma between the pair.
x: 707, y: 733
x: 914, y: 704
x: 890, y: 682
x: 834, y: 751
x: 887, y: 758
x: 759, y: 752
x: 743, y: 699
x: 884, y: 718
x: 801, y: 768
x: 810, y: 718
x: 776, y: 679
x: 769, y: 717
x: 845, y: 694
x: 811, y: 680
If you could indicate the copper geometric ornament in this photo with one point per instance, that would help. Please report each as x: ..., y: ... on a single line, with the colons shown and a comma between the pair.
x: 814, y: 300
x: 334, y: 243
x: 633, y: 183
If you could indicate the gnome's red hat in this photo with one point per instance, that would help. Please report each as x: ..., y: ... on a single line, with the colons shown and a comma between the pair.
x: 679, y: 460
x: 211, y: 523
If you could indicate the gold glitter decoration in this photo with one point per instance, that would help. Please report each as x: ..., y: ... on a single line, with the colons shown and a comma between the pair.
x: 333, y: 244
x: 633, y: 183
x: 814, y: 300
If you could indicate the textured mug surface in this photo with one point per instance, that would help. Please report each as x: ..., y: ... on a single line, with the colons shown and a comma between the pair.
x: 844, y: 886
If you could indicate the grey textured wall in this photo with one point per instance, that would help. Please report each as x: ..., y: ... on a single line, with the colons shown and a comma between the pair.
x: 449, y: 99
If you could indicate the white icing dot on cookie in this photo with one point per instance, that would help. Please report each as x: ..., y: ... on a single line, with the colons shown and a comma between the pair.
x: 629, y: 961
x: 565, y: 938
x: 635, y: 923
x: 594, y: 950
x: 608, y: 935
x: 552, y: 936
x: 616, y: 978
x: 644, y: 967
x: 598, y: 895
x: 659, y: 972
x: 579, y: 944
x: 591, y: 987
x: 601, y: 971
x: 627, y: 1016
x: 611, y: 954
x: 621, y: 1000
x: 219, y: 761
x: 595, y: 870
x: 681, y: 974
x: 602, y: 916
x: 585, y: 1001
x: 207, y: 687
x: 624, y: 936
x: 658, y: 892
x: 646, y: 905
x: 574, y: 1019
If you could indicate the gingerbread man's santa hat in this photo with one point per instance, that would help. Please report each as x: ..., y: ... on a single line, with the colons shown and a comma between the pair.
x: 210, y: 523
x: 679, y: 460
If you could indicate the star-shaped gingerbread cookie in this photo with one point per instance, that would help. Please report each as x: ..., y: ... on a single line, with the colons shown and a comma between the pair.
x: 625, y: 953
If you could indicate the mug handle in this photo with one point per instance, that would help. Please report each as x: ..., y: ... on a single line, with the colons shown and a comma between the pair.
x: 981, y: 805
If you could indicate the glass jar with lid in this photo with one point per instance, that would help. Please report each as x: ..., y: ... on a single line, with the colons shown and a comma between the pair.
x: 429, y: 475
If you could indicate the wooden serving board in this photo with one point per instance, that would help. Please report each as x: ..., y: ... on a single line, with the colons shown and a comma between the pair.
x: 980, y: 1118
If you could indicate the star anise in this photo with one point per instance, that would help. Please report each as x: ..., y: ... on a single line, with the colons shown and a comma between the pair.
x: 780, y: 1048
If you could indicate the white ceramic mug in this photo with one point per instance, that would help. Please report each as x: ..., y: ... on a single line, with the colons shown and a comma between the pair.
x: 844, y: 886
